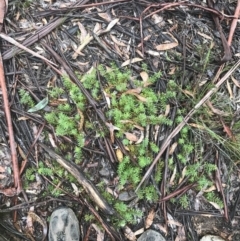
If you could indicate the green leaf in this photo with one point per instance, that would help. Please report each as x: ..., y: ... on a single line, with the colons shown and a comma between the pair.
x: 41, y: 105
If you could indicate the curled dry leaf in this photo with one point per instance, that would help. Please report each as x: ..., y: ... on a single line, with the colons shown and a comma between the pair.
x: 139, y: 231
x: 205, y: 35
x: 22, y: 118
x: 104, y: 15
x: 174, y: 222
x: 166, y: 46
x: 75, y: 189
x: 83, y: 31
x: 144, y: 76
x: 131, y: 61
x: 131, y: 137
x: 134, y: 91
x: 172, y: 70
x: 119, y: 155
x: 97, y: 28
x: 84, y: 43
x: 167, y: 111
x: 210, y: 189
x: 171, y: 182
x: 111, y: 24
x: 158, y: 20
x: 172, y: 148
x: 116, y: 41
x: 149, y: 219
x: 52, y: 140
x: 183, y: 174
x: 145, y: 39
x: 215, y: 205
x: 141, y: 98
x: 107, y: 99
x: 228, y: 131
x: 235, y: 81
x: 139, y: 53
x: 82, y: 63
x: 36, y: 218
x: 29, y: 224
x: 229, y: 90
x: 200, y: 127
x: 129, y: 121
x: 140, y: 138
x: 129, y: 234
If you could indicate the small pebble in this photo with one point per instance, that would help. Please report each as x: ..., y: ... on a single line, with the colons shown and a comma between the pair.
x: 211, y: 238
x: 151, y: 235
x: 127, y: 196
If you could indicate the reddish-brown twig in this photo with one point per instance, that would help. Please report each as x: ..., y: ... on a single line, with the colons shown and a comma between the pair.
x: 17, y: 181
x: 234, y: 23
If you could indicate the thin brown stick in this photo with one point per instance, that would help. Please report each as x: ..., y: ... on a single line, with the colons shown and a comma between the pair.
x: 234, y: 23
x: 185, y: 120
x: 17, y: 181
x: 219, y: 185
x: 86, y: 184
x: 35, y: 37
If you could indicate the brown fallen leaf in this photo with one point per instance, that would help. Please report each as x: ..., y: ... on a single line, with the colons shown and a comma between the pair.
x: 172, y: 148
x: 158, y: 20
x: 134, y: 91
x: 119, y: 155
x: 215, y: 110
x: 235, y: 81
x: 205, y: 36
x: 171, y: 182
x: 144, y: 76
x: 167, y: 46
x: 131, y: 61
x: 228, y: 131
x: 83, y: 31
x: 104, y: 15
x: 184, y: 171
x: 116, y: 41
x: 149, y: 219
x: 131, y: 137
x: 129, y: 234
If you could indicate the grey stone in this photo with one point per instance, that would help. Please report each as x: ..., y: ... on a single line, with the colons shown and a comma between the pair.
x: 127, y: 196
x: 211, y: 238
x: 151, y: 235
x: 63, y: 225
